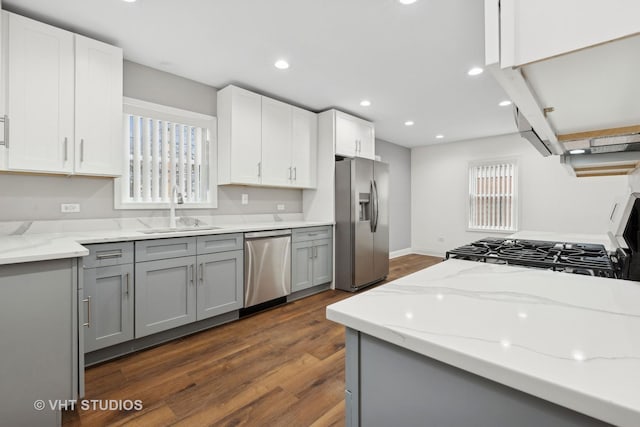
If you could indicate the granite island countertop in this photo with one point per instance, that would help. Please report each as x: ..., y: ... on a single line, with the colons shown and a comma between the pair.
x: 570, y: 339
x: 60, y: 239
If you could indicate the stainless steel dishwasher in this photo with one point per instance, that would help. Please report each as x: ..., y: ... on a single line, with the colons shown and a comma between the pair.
x: 267, y: 266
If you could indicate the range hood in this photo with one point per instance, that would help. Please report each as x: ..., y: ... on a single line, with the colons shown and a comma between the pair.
x: 528, y: 132
x: 582, y: 105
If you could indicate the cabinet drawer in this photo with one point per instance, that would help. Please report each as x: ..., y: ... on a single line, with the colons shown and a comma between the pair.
x: 312, y: 233
x: 107, y: 254
x: 149, y: 250
x: 219, y: 243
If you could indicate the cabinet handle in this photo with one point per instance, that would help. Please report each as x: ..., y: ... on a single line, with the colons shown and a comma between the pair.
x: 290, y: 173
x: 5, y: 119
x: 202, y: 272
x: 315, y: 252
x: 191, y: 270
x: 88, y: 301
x: 295, y: 173
x: 81, y: 150
x: 311, y: 253
x: 66, y: 156
x: 109, y: 255
x: 259, y: 169
x: 127, y: 284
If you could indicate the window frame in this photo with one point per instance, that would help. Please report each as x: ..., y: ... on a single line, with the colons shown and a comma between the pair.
x: 515, y: 226
x: 163, y: 112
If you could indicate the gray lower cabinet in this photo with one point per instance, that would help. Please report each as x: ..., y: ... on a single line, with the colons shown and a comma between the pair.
x: 38, y: 341
x: 165, y: 294
x: 182, y: 280
x: 220, y: 283
x: 312, y: 258
x: 109, y: 296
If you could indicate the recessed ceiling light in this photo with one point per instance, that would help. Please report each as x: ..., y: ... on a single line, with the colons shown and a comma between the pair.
x: 129, y: 1
x: 405, y: 2
x: 475, y: 71
x: 281, y: 64
x: 365, y: 103
x: 504, y: 103
x: 439, y: 136
x: 577, y: 151
x: 409, y: 123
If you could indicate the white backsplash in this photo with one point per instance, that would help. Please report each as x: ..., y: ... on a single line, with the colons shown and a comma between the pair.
x: 17, y: 228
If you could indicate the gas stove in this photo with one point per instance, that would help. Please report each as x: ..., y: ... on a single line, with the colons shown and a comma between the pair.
x: 577, y: 258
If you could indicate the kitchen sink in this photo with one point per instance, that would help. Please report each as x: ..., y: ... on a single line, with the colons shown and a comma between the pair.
x: 177, y: 229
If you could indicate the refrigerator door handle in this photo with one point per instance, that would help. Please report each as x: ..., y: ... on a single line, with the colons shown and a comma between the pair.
x: 377, y: 206
x: 371, y: 207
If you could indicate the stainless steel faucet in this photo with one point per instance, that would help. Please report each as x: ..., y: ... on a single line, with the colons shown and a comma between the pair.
x: 176, y: 198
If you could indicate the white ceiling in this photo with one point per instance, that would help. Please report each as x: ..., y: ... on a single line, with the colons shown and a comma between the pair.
x: 411, y: 61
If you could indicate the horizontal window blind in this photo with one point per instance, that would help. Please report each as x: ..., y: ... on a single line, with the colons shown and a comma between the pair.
x: 163, y: 154
x: 492, y: 196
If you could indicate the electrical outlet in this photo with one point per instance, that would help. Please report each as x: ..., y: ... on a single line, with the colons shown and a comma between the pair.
x: 245, y: 199
x: 70, y: 207
x: 280, y: 206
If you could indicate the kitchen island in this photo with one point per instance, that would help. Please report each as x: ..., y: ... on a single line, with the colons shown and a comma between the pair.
x: 467, y: 343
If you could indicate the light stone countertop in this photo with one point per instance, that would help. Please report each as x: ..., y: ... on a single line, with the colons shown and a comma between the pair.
x: 39, y: 241
x: 570, y: 339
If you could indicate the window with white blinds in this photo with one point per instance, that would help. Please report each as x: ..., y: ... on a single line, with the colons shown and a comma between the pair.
x: 493, y: 196
x: 166, y: 148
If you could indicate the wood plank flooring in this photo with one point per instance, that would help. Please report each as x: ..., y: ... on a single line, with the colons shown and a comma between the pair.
x: 281, y: 367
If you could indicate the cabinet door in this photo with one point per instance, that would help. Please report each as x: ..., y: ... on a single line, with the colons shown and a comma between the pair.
x: 165, y: 295
x: 301, y: 266
x: 220, y: 283
x: 322, y: 261
x: 345, y: 136
x: 40, y: 97
x: 98, y: 108
x: 365, y: 140
x: 246, y: 137
x: 276, y: 143
x: 109, y: 311
x: 304, y: 147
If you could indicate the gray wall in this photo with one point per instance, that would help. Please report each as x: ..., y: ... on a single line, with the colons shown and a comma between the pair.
x: 399, y: 159
x: 33, y: 197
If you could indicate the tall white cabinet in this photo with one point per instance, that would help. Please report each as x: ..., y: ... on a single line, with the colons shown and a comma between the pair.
x: 63, y: 101
x: 265, y: 142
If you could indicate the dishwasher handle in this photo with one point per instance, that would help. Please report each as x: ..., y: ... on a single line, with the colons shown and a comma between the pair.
x: 270, y: 233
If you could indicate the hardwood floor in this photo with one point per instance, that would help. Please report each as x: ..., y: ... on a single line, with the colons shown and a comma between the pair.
x: 281, y: 367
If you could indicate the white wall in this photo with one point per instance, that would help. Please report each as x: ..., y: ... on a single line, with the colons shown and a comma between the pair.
x: 550, y: 199
x: 399, y: 160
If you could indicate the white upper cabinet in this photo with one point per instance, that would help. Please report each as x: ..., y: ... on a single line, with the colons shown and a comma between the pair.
x: 304, y: 146
x: 276, y: 142
x: 98, y: 113
x: 64, y: 101
x: 264, y: 142
x: 39, y: 96
x: 535, y: 30
x: 354, y: 137
x: 239, y: 136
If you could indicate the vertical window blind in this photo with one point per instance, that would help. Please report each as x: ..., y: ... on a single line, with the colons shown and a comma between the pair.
x: 492, y: 196
x: 162, y: 155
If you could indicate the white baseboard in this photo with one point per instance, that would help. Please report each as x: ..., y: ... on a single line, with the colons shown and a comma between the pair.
x: 428, y: 252
x: 400, y: 252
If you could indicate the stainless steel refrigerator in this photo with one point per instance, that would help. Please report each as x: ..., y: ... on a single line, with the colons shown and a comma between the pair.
x: 362, y: 223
